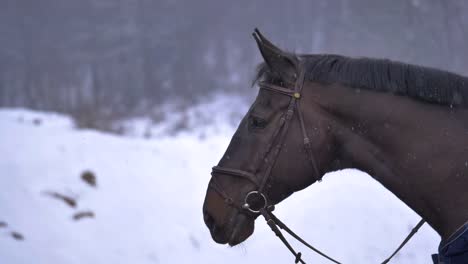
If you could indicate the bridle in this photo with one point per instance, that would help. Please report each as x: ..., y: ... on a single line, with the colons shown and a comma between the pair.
x: 279, y: 136
x: 256, y: 202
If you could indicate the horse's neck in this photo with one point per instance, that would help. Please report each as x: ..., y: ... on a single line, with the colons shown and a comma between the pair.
x: 398, y: 141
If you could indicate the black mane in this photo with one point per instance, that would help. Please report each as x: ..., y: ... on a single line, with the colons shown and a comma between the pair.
x: 423, y: 83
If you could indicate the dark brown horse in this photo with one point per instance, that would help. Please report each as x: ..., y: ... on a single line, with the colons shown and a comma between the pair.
x: 405, y: 125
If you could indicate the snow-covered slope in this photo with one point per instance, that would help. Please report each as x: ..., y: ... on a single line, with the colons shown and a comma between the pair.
x: 149, y: 195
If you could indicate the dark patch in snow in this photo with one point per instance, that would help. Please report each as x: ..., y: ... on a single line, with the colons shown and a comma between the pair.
x: 89, y: 177
x: 194, y: 241
x: 66, y: 199
x: 85, y: 214
x: 3, y: 224
x: 17, y: 236
x: 37, y: 121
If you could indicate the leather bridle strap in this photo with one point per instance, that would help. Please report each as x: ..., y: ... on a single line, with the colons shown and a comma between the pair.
x: 410, y: 235
x: 276, y: 88
x: 284, y: 125
x: 274, y: 223
x: 308, y: 146
x: 238, y: 173
x: 274, y: 227
x: 285, y: 120
x: 298, y: 238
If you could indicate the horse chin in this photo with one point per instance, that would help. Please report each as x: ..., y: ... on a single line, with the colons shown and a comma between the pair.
x: 243, y: 228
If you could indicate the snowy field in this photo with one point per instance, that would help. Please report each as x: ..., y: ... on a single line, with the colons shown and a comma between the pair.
x: 149, y: 195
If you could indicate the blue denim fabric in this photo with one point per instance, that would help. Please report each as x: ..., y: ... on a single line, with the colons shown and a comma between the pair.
x: 455, y: 250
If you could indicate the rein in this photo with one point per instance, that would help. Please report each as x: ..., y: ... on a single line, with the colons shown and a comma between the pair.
x: 262, y: 206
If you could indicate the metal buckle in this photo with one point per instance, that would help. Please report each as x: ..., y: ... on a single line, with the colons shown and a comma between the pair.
x: 246, y: 205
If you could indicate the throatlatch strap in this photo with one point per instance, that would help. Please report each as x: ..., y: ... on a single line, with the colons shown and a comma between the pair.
x: 308, y: 146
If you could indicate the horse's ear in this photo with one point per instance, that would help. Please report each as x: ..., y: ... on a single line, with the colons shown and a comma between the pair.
x: 283, y: 63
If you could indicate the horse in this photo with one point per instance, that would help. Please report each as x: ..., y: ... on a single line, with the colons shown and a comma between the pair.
x: 405, y: 125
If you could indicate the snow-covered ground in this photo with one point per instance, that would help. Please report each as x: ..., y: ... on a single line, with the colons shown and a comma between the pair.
x: 149, y: 196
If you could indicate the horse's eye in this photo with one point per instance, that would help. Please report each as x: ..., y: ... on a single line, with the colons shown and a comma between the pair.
x: 257, y: 122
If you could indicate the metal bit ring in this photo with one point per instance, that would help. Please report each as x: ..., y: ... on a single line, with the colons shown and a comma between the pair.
x: 246, y: 205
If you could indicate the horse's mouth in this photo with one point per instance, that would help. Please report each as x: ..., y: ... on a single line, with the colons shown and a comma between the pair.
x: 242, y: 228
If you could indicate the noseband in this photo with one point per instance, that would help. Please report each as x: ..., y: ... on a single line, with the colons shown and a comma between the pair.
x: 256, y: 202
